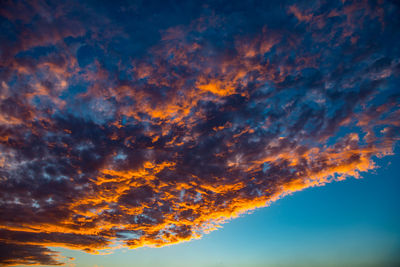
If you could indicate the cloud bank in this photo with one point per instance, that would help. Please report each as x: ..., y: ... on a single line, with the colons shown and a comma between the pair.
x: 148, y: 124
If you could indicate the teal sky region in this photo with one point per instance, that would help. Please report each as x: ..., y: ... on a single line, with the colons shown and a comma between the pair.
x: 349, y: 223
x: 199, y: 133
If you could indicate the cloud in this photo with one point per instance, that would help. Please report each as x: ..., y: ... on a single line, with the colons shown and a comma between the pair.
x: 149, y: 125
x: 13, y: 254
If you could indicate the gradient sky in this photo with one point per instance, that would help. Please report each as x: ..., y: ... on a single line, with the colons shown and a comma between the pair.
x: 350, y: 223
x: 199, y: 133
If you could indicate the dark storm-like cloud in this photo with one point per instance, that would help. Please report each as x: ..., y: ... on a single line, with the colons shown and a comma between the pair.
x: 150, y: 124
x: 13, y: 254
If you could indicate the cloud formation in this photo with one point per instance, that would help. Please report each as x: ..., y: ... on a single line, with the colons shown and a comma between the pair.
x: 150, y: 124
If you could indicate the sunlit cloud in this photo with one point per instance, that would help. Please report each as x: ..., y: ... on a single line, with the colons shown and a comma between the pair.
x: 120, y: 128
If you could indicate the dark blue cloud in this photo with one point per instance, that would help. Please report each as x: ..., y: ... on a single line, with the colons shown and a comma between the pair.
x: 151, y: 122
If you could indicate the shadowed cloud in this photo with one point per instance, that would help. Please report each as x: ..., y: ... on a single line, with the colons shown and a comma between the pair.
x: 149, y: 124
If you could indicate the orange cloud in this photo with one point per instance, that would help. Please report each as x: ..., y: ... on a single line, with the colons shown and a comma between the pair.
x: 103, y: 142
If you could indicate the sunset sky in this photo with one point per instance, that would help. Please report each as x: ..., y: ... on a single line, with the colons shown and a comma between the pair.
x: 200, y: 133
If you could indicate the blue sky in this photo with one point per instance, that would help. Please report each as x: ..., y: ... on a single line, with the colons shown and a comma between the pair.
x: 158, y: 131
x: 348, y: 223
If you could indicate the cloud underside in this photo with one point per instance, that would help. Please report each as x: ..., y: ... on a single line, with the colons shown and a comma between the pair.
x: 119, y: 127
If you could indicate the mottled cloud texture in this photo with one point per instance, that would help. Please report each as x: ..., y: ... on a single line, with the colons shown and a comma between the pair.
x: 153, y: 123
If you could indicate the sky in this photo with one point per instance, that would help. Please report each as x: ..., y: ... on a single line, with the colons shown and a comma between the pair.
x: 320, y: 226
x: 199, y: 133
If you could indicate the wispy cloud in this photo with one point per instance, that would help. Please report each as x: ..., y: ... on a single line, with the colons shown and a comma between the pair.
x: 150, y: 125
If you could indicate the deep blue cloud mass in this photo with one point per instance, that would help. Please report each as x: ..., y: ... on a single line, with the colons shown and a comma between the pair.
x: 150, y: 123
